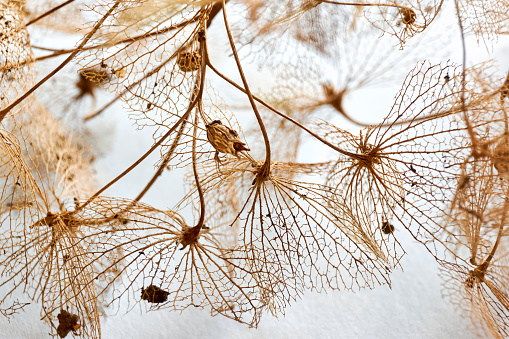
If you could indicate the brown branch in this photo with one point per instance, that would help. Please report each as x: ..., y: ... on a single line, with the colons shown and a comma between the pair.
x: 470, y: 130
x: 195, y: 174
x: 204, y: 60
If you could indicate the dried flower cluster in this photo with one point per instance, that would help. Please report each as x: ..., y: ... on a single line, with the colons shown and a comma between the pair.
x: 256, y: 226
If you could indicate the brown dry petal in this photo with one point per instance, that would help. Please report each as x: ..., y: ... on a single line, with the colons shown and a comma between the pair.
x: 479, y: 294
x: 189, y: 61
x: 154, y: 294
x: 205, y: 274
x: 290, y: 233
x: 67, y: 322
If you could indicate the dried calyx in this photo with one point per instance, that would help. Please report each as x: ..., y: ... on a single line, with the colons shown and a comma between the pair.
x: 189, y: 235
x: 334, y: 97
x: 476, y: 275
x: 51, y: 219
x: 88, y: 81
x: 387, y: 227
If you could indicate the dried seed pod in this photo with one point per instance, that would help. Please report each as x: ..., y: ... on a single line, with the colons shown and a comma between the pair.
x: 500, y: 157
x: 154, y: 294
x: 189, y: 61
x: 67, y: 322
x: 408, y: 15
x: 224, y: 139
x: 387, y: 227
x: 88, y: 81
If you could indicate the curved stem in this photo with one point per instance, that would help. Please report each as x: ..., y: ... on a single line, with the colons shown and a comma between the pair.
x: 470, y: 130
x: 205, y: 60
x: 364, y: 4
x: 98, y: 25
x: 248, y: 92
x: 499, y: 236
x: 316, y: 136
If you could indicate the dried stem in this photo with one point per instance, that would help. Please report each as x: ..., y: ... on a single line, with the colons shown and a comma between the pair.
x: 51, y: 11
x: 363, y: 4
x: 265, y: 169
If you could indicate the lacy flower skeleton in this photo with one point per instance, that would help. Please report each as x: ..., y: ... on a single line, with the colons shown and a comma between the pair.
x: 256, y: 226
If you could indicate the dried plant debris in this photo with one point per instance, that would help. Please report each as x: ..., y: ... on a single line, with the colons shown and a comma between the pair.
x: 387, y: 227
x: 257, y: 233
x: 154, y: 294
x: 501, y: 157
x: 408, y: 16
x: 224, y: 139
x: 189, y: 61
x: 89, y: 80
x: 67, y: 322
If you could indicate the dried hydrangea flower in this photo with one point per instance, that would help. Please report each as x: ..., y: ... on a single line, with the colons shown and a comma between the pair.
x: 224, y: 139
